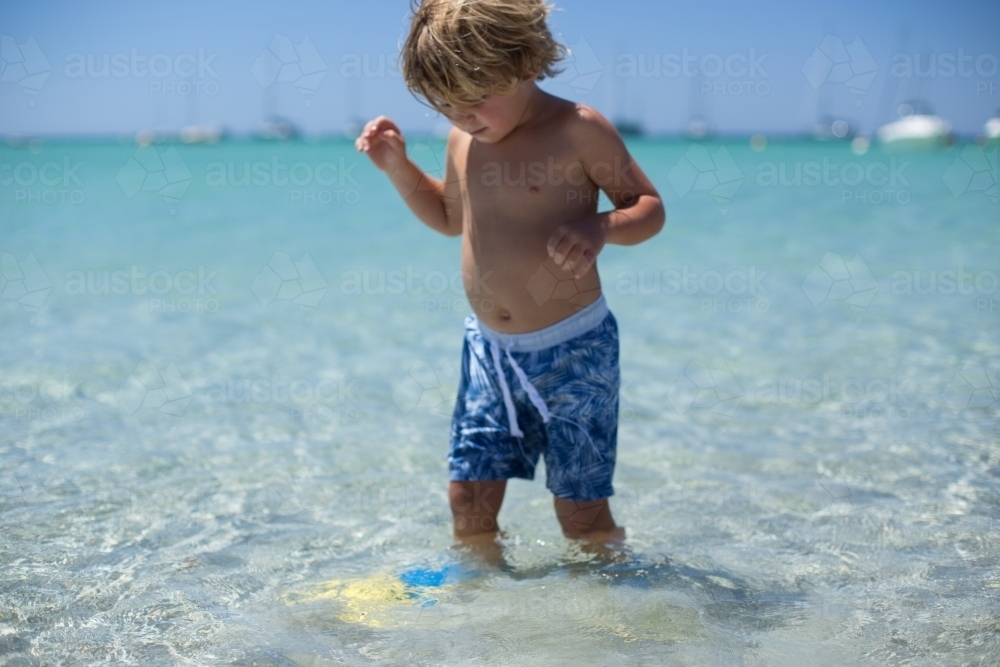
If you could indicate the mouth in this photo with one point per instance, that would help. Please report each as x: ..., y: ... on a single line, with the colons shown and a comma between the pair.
x: 479, y: 131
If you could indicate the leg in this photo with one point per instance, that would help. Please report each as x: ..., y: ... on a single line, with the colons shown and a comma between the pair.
x: 474, y: 507
x: 581, y: 389
x: 589, y: 521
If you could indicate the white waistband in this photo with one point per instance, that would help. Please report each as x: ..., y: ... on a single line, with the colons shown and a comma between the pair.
x: 560, y: 332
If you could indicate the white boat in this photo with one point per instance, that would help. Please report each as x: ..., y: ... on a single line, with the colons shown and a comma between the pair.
x: 200, y: 134
x: 918, y: 128
x: 278, y: 129
x: 992, y: 128
x: 698, y: 128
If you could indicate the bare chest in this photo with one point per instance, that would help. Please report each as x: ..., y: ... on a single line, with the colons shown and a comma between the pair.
x: 526, y: 184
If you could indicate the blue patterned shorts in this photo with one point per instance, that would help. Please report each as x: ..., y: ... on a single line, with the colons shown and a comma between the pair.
x: 555, y: 395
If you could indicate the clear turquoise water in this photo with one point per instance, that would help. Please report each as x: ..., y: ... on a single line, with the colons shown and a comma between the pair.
x: 818, y: 460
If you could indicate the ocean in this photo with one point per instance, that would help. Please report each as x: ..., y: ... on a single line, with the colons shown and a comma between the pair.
x: 228, y: 371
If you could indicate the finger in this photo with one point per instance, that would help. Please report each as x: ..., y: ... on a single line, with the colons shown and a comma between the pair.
x: 382, y: 137
x: 572, y: 257
x: 387, y: 136
x: 563, y: 249
x: 554, y: 240
x: 394, y: 136
x: 382, y: 123
x: 583, y: 265
x: 581, y: 271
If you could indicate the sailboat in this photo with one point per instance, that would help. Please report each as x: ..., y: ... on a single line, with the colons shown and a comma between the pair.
x: 194, y: 132
x: 992, y: 127
x: 201, y: 134
x: 277, y: 128
x: 829, y: 128
x: 918, y: 128
x: 627, y: 127
x: 274, y: 126
x: 699, y: 127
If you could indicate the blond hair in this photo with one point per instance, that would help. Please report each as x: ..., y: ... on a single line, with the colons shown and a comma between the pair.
x: 459, y: 51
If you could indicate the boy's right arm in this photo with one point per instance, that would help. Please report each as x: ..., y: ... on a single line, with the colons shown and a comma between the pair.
x: 432, y: 200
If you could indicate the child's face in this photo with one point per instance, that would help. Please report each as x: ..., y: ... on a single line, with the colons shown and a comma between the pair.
x: 494, y: 118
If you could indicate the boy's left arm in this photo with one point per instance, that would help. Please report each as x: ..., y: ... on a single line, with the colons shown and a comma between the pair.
x: 638, y: 213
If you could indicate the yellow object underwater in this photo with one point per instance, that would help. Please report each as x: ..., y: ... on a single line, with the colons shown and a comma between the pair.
x: 367, y: 601
x: 371, y: 600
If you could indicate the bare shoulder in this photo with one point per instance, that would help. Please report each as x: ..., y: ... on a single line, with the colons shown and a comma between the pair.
x: 575, y: 121
x: 587, y: 116
x: 606, y: 157
x: 587, y: 124
x: 593, y: 136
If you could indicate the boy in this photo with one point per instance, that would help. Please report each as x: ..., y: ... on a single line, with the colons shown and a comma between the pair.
x: 523, y: 171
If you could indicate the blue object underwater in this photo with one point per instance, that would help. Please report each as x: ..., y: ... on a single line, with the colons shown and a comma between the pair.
x: 419, y: 579
x: 422, y: 577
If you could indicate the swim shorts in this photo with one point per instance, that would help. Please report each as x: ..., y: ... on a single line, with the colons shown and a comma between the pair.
x: 551, y: 392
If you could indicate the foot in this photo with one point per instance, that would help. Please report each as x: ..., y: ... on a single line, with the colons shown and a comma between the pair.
x: 485, y: 546
x: 607, y: 545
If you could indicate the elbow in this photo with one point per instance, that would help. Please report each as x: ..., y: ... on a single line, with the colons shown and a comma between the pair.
x: 649, y: 218
x: 659, y: 216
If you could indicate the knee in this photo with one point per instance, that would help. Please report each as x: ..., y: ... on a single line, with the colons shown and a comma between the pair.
x: 580, y: 518
x: 478, y: 498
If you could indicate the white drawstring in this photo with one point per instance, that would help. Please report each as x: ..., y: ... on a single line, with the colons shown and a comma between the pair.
x: 533, y: 395
x: 507, y: 400
x: 529, y: 388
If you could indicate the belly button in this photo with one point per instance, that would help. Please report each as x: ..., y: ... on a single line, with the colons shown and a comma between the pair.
x: 504, y: 315
x: 533, y: 188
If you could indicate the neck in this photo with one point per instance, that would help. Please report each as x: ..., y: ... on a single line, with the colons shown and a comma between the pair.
x: 532, y: 103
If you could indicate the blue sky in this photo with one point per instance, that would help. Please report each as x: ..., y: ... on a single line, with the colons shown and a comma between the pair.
x: 629, y: 61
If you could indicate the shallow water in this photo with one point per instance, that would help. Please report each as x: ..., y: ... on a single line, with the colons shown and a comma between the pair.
x: 184, y: 464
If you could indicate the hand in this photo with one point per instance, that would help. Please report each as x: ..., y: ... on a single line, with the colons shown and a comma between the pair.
x: 384, y: 144
x: 574, y: 246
